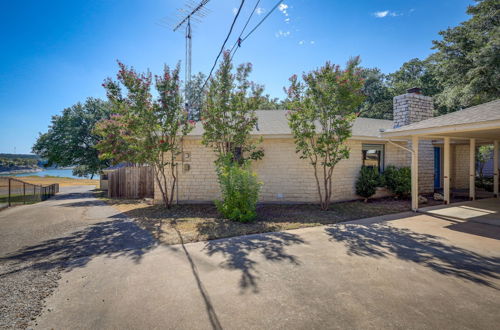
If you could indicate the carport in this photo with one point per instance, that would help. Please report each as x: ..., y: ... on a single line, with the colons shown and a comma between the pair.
x: 476, y: 126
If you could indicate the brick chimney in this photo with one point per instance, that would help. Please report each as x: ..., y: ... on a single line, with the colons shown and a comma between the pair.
x: 411, y: 107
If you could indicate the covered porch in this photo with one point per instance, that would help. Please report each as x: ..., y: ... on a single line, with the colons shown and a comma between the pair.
x: 471, y: 127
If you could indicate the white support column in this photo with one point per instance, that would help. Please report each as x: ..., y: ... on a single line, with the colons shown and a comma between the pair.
x: 472, y: 169
x: 446, y: 170
x: 414, y: 173
x: 496, y: 175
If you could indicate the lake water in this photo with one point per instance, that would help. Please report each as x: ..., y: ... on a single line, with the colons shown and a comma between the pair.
x: 65, y: 173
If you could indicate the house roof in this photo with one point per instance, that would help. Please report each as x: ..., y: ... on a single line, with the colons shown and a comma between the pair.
x: 480, y: 114
x: 274, y: 122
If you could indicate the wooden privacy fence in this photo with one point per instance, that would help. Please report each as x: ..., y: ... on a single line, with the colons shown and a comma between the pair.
x: 131, y: 182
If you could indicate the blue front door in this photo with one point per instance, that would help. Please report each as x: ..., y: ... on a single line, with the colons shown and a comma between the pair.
x: 437, y: 167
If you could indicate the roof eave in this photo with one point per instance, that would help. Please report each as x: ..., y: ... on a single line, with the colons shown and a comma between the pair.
x: 449, y: 129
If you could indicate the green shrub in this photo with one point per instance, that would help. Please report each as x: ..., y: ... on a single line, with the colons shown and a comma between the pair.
x: 368, y: 181
x: 240, y: 191
x: 398, y: 180
x: 485, y: 182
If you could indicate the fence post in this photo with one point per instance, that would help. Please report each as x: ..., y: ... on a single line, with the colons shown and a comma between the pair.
x: 8, y: 196
x: 24, y: 193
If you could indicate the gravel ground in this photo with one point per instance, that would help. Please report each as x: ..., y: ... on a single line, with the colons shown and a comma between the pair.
x: 23, y: 288
x: 39, y: 241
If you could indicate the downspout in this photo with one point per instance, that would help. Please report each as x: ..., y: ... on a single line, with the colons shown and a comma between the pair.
x: 400, y: 146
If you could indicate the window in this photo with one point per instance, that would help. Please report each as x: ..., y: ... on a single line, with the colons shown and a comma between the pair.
x: 373, y: 156
x: 238, y: 154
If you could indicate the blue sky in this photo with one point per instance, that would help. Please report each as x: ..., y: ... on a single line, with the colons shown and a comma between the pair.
x: 56, y: 53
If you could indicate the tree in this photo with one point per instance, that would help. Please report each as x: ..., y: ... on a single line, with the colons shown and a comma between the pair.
x: 228, y: 118
x: 483, y: 155
x: 195, y: 95
x: 144, y: 129
x: 414, y: 73
x: 468, y: 58
x: 70, y: 140
x: 269, y: 103
x: 229, y: 113
x: 322, y: 111
x: 378, y: 102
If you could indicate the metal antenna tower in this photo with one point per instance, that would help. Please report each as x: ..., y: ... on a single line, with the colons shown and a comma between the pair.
x: 193, y: 12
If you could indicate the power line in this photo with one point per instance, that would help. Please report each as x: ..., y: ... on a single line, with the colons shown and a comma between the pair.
x: 240, y: 40
x: 224, y: 44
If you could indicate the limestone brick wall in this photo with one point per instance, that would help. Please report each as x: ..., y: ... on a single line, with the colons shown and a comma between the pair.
x: 459, y: 166
x: 425, y: 166
x: 285, y: 177
x: 397, y: 156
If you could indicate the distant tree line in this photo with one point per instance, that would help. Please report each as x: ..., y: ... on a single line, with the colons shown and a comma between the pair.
x: 463, y: 71
x: 10, y: 162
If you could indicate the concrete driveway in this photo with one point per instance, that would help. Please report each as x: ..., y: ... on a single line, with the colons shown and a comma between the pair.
x: 417, y: 272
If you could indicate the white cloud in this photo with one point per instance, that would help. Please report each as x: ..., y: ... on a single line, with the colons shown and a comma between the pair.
x: 283, y: 8
x: 260, y: 11
x: 287, y: 20
x: 301, y: 42
x: 283, y: 34
x: 312, y: 42
x: 381, y: 14
x: 385, y: 13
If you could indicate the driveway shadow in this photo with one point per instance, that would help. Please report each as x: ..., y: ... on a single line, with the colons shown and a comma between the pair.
x: 114, y: 238
x: 237, y: 253
x: 383, y: 241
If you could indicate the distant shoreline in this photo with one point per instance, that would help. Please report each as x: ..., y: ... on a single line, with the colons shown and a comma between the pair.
x: 30, y: 170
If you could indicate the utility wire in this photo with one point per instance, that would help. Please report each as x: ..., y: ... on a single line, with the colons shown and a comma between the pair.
x: 224, y: 44
x: 240, y: 40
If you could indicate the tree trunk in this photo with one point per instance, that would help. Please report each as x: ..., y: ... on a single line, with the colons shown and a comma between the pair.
x: 158, y: 181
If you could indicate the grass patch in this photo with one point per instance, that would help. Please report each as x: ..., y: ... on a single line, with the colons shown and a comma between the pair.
x: 63, y: 182
x: 202, y: 222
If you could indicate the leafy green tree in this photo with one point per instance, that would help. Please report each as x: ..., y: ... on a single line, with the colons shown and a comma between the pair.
x: 322, y: 111
x: 195, y: 95
x: 483, y: 155
x: 467, y: 60
x: 269, y: 103
x: 378, y: 102
x: 229, y: 113
x: 414, y: 73
x: 70, y: 140
x: 228, y: 118
x: 145, y: 129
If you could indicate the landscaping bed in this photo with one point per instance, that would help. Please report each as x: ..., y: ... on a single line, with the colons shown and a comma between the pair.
x: 199, y: 222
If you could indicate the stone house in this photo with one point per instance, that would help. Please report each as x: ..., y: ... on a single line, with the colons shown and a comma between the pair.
x: 288, y: 179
